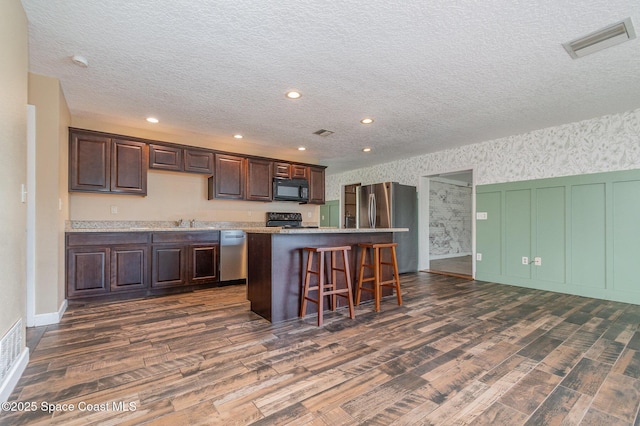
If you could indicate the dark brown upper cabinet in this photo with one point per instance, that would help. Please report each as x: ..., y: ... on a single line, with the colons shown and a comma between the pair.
x: 282, y: 170
x: 316, y: 185
x: 259, y: 180
x: 198, y: 161
x: 299, y: 172
x: 89, y: 163
x: 102, y: 164
x: 129, y: 165
x: 108, y: 163
x: 166, y: 157
x: 230, y: 177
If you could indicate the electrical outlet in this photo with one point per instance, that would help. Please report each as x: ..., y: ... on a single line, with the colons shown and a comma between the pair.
x: 114, y: 209
x: 537, y: 261
x: 481, y: 216
x: 479, y: 257
x: 309, y: 214
x: 525, y: 260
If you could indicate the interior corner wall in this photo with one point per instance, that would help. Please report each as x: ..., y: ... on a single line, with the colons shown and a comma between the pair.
x: 64, y: 121
x: 13, y: 161
x: 52, y: 118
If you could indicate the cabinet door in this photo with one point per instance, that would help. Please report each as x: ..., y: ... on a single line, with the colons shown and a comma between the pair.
x: 87, y: 271
x: 165, y: 157
x: 129, y: 164
x: 259, y: 180
x: 203, y: 264
x: 229, y: 177
x: 89, y: 163
x: 282, y: 170
x: 168, y: 266
x: 299, y: 172
x: 197, y: 161
x: 129, y: 268
x: 316, y: 185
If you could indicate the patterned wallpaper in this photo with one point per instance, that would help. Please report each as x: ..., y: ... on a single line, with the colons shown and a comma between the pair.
x: 450, y: 220
x: 607, y: 143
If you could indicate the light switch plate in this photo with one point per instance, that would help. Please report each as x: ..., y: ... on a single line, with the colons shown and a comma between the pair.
x: 481, y: 216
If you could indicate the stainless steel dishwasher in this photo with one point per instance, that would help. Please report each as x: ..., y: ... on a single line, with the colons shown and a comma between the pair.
x: 233, y: 256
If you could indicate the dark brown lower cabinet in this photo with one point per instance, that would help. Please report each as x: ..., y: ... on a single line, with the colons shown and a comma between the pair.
x: 204, y: 263
x: 88, y: 271
x: 168, y: 266
x: 138, y: 264
x: 129, y: 268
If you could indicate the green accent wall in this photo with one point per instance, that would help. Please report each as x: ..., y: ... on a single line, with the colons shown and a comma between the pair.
x: 585, y: 229
x: 329, y: 214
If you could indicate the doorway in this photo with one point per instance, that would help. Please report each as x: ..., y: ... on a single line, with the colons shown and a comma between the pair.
x: 450, y: 219
x: 351, y: 201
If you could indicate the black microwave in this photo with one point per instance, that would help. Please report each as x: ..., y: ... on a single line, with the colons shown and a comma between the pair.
x: 291, y: 190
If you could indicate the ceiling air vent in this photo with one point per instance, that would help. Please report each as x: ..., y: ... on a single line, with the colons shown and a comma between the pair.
x: 601, y: 39
x: 323, y: 132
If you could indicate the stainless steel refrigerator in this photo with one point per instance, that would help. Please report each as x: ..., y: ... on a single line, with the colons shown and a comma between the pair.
x: 391, y: 205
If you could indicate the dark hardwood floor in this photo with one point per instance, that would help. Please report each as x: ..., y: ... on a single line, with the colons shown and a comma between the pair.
x: 457, y: 352
x: 460, y: 266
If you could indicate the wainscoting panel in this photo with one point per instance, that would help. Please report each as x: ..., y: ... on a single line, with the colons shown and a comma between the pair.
x: 585, y: 229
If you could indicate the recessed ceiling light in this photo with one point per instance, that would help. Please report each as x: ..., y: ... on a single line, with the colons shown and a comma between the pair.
x: 81, y: 61
x: 238, y: 136
x: 293, y: 94
x: 366, y: 149
x: 302, y: 148
x: 366, y: 120
x: 152, y: 120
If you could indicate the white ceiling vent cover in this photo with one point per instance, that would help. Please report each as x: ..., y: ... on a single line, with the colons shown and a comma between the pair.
x: 610, y: 36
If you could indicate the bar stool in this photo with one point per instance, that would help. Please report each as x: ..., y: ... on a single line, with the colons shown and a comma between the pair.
x: 325, y: 286
x: 376, y: 267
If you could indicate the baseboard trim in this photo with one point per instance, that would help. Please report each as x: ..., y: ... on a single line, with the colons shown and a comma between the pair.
x: 14, y: 374
x: 51, y: 317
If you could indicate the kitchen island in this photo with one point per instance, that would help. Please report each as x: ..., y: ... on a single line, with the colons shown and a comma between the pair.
x: 276, y: 265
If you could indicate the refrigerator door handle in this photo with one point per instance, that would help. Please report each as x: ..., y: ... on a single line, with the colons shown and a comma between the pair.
x: 372, y: 210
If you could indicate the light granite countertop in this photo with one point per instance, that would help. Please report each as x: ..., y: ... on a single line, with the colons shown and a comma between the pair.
x: 171, y: 226
x: 290, y: 231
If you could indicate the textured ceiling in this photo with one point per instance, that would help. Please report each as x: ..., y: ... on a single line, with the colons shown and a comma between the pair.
x: 433, y: 74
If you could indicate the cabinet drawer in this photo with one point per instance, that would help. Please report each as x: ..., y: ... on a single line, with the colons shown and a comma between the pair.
x: 106, y: 238
x: 185, y: 237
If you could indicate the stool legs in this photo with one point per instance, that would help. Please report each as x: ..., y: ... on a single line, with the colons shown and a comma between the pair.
x: 375, y: 251
x: 327, y: 280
